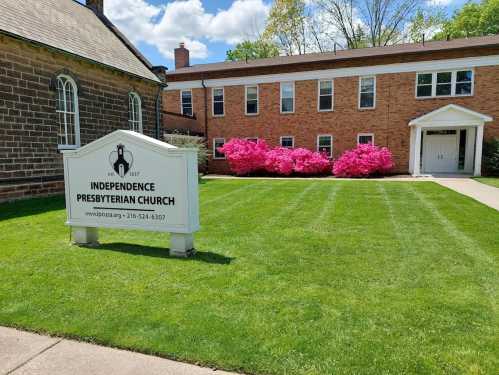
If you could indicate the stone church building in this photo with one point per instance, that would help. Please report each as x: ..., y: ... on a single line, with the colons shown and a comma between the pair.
x: 67, y: 77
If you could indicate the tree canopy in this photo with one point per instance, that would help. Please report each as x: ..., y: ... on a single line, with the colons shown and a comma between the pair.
x: 257, y: 49
x: 473, y: 19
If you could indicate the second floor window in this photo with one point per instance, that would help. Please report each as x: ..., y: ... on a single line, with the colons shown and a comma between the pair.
x: 251, y: 100
x: 67, y: 111
x: 367, y: 92
x: 134, y: 112
x: 218, y: 101
x: 186, y: 102
x: 287, y: 97
x: 326, y: 95
x: 442, y: 84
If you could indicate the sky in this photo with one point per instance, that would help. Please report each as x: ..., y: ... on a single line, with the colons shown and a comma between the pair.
x: 208, y: 27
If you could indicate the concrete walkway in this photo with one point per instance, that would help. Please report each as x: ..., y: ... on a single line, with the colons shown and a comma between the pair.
x: 483, y: 193
x: 30, y: 354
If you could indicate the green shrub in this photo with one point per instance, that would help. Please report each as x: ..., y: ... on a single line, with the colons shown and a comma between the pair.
x: 490, y: 157
x: 190, y: 141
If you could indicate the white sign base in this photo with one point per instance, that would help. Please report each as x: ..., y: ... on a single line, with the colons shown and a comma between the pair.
x: 182, y: 245
x: 85, y: 235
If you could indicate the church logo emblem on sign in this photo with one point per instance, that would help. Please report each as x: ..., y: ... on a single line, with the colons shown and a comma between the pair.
x: 121, y: 160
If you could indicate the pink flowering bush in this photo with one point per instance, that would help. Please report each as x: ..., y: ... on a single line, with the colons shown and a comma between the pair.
x: 247, y: 157
x: 279, y: 160
x: 363, y: 161
x: 244, y: 156
x: 309, y: 163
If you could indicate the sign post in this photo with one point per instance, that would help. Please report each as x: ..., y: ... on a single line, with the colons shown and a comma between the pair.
x: 129, y: 181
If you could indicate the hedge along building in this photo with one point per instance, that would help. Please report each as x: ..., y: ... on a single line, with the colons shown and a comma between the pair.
x: 67, y: 77
x: 431, y: 104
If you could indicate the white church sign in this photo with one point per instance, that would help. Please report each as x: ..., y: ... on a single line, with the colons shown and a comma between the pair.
x: 127, y: 180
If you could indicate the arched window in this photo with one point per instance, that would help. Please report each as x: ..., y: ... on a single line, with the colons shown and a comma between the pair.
x: 67, y: 110
x: 134, y: 112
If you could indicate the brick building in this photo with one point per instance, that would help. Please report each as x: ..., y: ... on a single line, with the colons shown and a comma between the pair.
x: 67, y: 77
x: 431, y: 104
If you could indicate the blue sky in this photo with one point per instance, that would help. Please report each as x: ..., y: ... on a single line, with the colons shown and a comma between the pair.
x: 208, y: 27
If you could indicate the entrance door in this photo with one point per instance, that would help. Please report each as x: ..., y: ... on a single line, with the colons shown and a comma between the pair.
x: 440, y: 151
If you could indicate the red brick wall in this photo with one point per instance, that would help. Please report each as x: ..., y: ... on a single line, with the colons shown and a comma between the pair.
x: 28, y: 120
x: 396, y: 105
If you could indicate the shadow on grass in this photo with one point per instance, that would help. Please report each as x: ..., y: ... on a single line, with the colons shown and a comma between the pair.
x: 30, y: 207
x: 161, y: 252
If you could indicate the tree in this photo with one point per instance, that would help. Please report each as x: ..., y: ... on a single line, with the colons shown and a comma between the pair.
x: 286, y: 25
x: 425, y: 24
x: 257, y: 49
x: 473, y: 19
x: 371, y: 22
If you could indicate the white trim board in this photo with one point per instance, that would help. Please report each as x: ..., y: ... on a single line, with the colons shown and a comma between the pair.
x: 431, y: 65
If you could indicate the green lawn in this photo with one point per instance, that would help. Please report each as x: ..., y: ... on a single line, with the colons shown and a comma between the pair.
x: 291, y: 277
x: 492, y: 181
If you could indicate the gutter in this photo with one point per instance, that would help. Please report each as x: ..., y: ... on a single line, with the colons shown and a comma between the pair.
x: 161, y: 87
x: 205, y: 117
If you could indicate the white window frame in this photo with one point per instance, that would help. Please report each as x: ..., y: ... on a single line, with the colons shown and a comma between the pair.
x: 131, y: 96
x: 332, y: 144
x: 280, y: 97
x: 213, y: 101
x: 360, y: 93
x: 246, y: 100
x: 453, y: 83
x: 319, y: 95
x: 214, y: 149
x: 69, y: 80
x: 365, y: 135
x: 182, y: 105
x: 255, y: 139
x: 287, y: 136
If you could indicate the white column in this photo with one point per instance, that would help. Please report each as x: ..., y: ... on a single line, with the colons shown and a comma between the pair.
x: 85, y: 235
x: 182, y: 244
x: 417, y: 153
x: 478, y: 151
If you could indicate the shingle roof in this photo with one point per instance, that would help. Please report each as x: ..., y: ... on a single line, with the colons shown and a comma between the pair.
x: 72, y: 27
x: 397, y: 49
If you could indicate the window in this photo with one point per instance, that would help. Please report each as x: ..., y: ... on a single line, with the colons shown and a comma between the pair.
x: 287, y: 97
x: 367, y: 92
x: 462, y: 148
x: 218, y: 142
x: 251, y: 100
x: 444, y: 84
x: 325, y: 145
x: 464, y: 82
x: 287, y: 141
x: 424, y: 85
x: 451, y: 83
x: 218, y: 101
x: 325, y: 100
x: 134, y: 112
x: 67, y: 111
x: 186, y: 102
x: 365, y: 138
x: 252, y: 139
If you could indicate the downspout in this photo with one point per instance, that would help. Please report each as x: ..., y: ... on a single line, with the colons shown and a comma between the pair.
x: 205, y: 89
x: 158, y: 110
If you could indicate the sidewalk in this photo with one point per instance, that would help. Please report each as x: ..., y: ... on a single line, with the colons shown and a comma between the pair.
x: 483, y: 193
x: 29, y: 354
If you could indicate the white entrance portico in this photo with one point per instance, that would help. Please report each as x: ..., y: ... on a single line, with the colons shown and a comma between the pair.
x: 447, y: 140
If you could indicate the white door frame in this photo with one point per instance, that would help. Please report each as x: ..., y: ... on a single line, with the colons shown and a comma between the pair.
x: 448, y: 117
